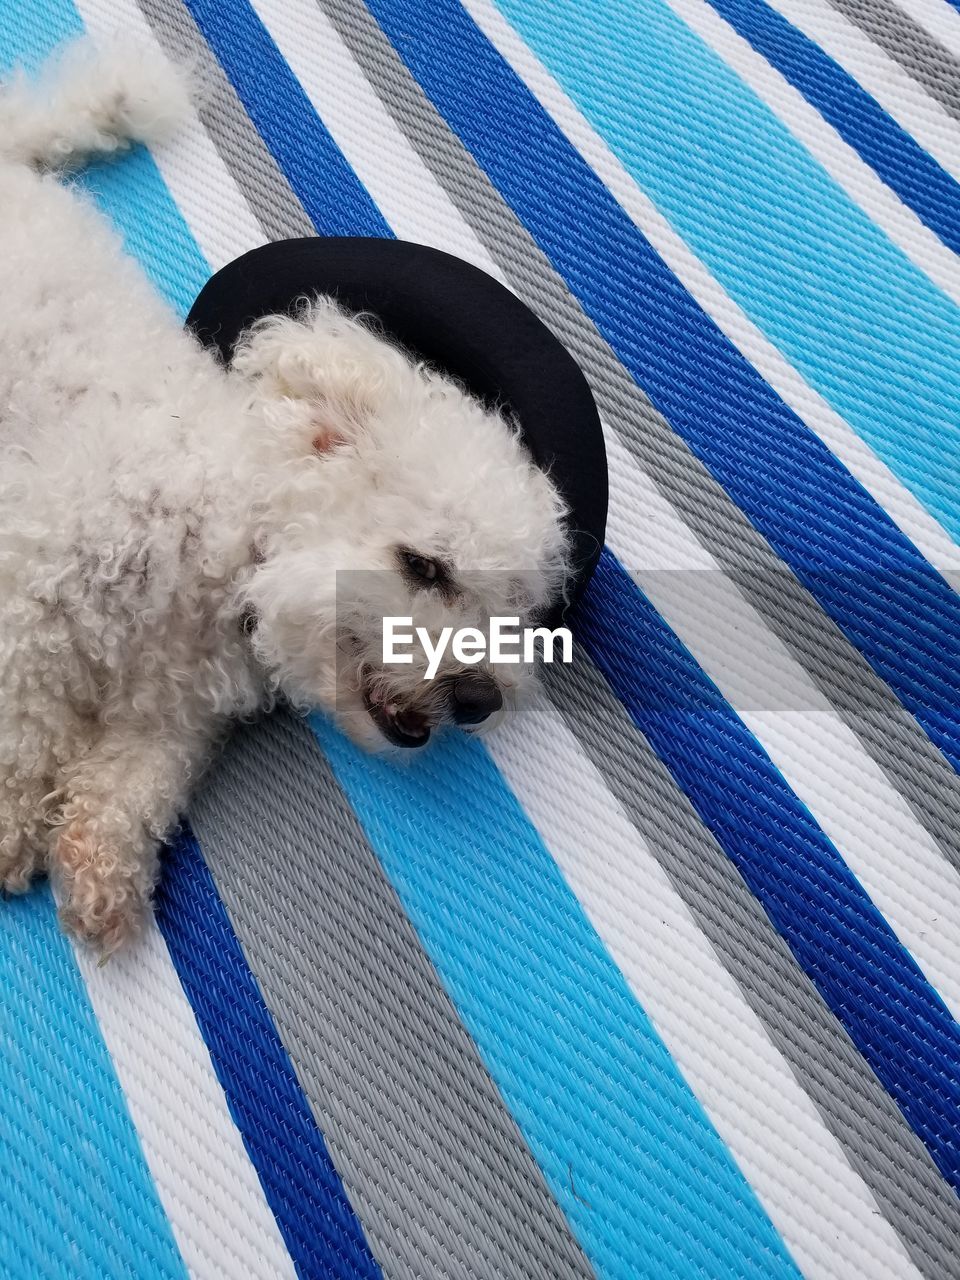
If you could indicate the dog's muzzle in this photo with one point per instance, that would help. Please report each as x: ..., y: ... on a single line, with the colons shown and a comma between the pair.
x: 467, y: 699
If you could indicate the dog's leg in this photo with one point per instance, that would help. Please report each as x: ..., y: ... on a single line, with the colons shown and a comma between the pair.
x: 90, y: 101
x: 120, y: 802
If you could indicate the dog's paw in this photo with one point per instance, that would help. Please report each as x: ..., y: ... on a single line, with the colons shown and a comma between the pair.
x: 103, y: 929
x: 104, y: 900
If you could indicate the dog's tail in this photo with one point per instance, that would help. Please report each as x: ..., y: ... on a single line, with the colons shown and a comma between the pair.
x: 91, y: 100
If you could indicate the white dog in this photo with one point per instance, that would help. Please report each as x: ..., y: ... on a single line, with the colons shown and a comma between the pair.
x: 170, y: 532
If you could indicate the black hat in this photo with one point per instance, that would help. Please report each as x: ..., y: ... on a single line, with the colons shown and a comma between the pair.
x: 456, y: 318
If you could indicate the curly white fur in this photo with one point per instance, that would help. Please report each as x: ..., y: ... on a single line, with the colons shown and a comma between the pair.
x: 171, y: 533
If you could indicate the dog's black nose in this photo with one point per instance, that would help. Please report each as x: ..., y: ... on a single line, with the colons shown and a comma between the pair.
x: 475, y: 697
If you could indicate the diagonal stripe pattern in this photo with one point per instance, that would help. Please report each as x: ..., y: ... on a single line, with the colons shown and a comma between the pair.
x: 662, y: 983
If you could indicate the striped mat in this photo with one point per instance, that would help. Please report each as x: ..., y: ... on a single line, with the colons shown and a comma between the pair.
x: 663, y: 980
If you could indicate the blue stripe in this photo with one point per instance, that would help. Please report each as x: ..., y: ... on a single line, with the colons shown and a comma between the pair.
x: 865, y: 326
x: 29, y: 31
x: 869, y: 980
x: 76, y: 1196
x: 902, y: 164
x: 313, y: 164
x: 646, y: 1183
x: 299, y: 1180
x: 814, y: 514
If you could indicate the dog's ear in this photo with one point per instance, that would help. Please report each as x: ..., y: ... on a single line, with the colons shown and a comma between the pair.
x: 299, y: 428
x: 325, y: 358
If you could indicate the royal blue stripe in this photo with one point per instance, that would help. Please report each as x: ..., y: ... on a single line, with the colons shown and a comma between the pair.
x: 327, y: 187
x: 869, y: 980
x: 76, y: 1196
x: 817, y: 517
x: 647, y: 1185
x: 300, y: 1182
x: 902, y: 164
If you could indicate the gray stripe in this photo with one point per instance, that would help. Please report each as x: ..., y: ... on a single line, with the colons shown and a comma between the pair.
x: 880, y: 1145
x: 889, y: 733
x: 855, y: 1107
x: 917, y: 51
x: 266, y: 190
x: 428, y: 1153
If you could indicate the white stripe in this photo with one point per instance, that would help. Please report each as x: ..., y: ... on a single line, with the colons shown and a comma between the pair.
x: 375, y: 148
x: 865, y: 818
x: 883, y: 78
x: 211, y: 202
x: 822, y: 1209
x: 220, y: 1218
x: 917, y: 523
x: 939, y: 18
x: 921, y: 245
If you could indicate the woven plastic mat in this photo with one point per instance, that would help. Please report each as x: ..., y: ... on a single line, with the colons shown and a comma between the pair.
x: 662, y: 980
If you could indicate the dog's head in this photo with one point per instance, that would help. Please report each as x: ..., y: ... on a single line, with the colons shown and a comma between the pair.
x: 385, y: 491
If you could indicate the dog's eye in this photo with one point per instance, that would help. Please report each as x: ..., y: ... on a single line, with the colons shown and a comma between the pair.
x: 421, y: 566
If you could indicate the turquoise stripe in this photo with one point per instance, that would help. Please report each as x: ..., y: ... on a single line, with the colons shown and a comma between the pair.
x: 648, y: 1186
x: 28, y: 31
x: 135, y: 198
x: 76, y: 1198
x: 866, y: 328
